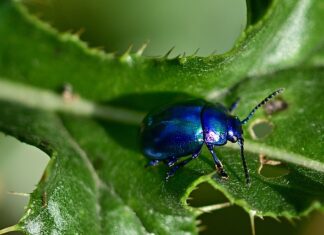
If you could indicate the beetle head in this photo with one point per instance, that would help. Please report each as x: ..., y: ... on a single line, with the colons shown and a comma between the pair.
x: 234, y: 129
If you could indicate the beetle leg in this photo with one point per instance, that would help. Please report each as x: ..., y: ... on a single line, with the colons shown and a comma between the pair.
x: 153, y: 163
x: 171, y: 161
x: 246, y: 171
x: 172, y: 171
x: 218, y: 164
x: 234, y: 105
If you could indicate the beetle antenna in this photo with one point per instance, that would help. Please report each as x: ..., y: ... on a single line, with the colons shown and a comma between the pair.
x: 263, y: 102
x: 246, y: 171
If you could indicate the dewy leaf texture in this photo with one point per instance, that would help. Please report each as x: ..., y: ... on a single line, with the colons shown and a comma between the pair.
x: 96, y: 183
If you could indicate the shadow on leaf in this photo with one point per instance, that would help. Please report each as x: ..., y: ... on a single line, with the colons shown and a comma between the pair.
x: 127, y: 135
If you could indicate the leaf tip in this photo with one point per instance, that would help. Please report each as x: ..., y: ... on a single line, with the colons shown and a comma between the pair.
x: 168, y: 53
x: 126, y: 57
x: 141, y: 50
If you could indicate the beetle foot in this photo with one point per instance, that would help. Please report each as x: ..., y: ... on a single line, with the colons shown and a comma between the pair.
x: 170, y: 162
x: 222, y: 173
x: 152, y: 163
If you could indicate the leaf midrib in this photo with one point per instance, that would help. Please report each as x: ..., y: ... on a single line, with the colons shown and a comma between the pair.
x: 47, y: 100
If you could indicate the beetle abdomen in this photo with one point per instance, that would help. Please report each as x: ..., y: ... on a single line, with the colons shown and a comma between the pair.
x: 172, y: 138
x: 173, y: 132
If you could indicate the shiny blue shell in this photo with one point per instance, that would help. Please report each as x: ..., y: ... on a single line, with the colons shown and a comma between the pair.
x: 181, y: 129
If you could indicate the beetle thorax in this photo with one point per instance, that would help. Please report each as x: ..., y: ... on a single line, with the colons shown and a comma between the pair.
x: 234, y: 129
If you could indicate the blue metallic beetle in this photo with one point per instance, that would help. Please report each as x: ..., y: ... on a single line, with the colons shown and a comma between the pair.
x: 181, y: 129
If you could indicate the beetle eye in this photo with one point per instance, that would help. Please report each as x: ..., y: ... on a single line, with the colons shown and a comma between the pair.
x: 234, y: 138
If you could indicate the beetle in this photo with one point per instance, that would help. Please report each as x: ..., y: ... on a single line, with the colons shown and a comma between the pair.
x: 181, y: 129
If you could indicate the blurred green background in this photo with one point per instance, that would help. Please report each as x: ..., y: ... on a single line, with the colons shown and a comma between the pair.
x: 212, y: 26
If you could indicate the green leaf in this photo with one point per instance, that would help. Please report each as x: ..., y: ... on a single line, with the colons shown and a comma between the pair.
x: 96, y: 183
x: 73, y: 196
